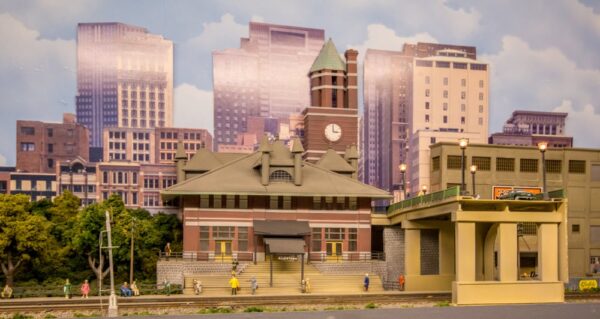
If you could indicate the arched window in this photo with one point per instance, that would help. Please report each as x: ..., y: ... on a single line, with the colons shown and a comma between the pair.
x: 280, y: 176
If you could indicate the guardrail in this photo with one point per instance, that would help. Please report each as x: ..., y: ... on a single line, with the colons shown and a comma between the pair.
x: 347, y: 257
x: 205, y: 256
x: 425, y: 199
x: 559, y: 193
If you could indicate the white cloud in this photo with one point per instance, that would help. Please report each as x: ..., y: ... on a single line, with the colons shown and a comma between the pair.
x: 3, y: 161
x: 193, y: 107
x: 219, y: 35
x: 195, y: 53
x: 539, y: 79
x: 383, y: 38
x: 256, y: 18
x: 37, y: 78
x: 580, y: 123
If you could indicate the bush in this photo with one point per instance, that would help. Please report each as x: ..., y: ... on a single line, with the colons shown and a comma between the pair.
x: 21, y: 316
x: 444, y: 303
x: 370, y: 305
x: 254, y: 309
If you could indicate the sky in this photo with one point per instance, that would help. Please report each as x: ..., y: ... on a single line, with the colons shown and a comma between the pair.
x: 543, y: 55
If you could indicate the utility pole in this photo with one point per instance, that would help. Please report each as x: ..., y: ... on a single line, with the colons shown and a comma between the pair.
x: 113, y: 310
x: 131, y: 251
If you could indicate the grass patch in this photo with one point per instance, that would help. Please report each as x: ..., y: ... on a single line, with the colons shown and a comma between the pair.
x: 21, y: 316
x: 214, y: 310
x: 142, y: 313
x: 444, y: 303
x: 254, y: 309
x: 335, y: 308
x: 49, y: 316
x: 370, y: 305
x: 82, y: 315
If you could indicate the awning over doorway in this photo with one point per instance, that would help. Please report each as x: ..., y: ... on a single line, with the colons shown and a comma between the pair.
x: 281, y: 228
x: 285, y: 245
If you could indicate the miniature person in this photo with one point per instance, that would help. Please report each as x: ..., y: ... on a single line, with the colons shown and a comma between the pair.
x: 307, y: 285
x: 253, y: 285
x: 168, y: 250
x: 401, y: 281
x: 366, y: 282
x: 67, y: 289
x: 167, y: 287
x: 85, y: 289
x: 197, y: 287
x: 235, y: 285
x: 597, y: 267
x: 135, y: 289
x: 125, y: 291
x: 234, y: 265
x: 7, y: 292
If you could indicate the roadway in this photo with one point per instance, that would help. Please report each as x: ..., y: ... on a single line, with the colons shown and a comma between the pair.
x: 551, y: 311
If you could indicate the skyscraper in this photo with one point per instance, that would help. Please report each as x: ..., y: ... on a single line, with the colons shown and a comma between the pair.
x: 124, y: 79
x: 528, y: 128
x: 428, y: 92
x: 266, y: 77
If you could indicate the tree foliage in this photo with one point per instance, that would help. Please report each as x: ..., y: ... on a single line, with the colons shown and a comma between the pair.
x: 48, y: 241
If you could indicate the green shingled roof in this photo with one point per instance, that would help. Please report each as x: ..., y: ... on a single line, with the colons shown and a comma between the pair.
x: 328, y: 59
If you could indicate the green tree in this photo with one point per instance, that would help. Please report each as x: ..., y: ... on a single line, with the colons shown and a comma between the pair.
x: 24, y: 235
x: 85, y: 237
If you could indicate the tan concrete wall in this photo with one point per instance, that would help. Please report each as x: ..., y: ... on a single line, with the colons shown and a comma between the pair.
x: 475, y: 293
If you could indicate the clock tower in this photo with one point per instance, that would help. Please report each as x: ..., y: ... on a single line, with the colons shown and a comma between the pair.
x: 331, y: 121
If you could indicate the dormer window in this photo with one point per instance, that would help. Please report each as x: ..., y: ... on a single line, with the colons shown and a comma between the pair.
x: 280, y: 176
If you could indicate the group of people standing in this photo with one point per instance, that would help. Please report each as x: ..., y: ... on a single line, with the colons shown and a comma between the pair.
x: 126, y: 290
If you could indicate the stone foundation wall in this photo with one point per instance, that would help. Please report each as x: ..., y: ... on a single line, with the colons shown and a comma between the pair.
x: 175, y: 270
x: 393, y: 245
x: 376, y: 267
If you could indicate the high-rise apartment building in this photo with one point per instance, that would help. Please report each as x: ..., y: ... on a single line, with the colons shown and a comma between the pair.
x: 528, y: 128
x: 265, y: 77
x: 439, y: 89
x: 41, y: 145
x: 124, y: 79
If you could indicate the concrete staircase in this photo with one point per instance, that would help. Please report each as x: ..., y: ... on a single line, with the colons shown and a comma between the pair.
x: 286, y: 281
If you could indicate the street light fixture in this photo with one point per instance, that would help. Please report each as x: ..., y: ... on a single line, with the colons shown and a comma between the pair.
x: 402, y: 168
x: 463, y: 142
x: 542, y: 146
x: 473, y: 171
x: 424, y: 189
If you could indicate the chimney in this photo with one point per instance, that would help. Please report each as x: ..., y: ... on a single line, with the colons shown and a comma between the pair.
x: 180, y: 162
x: 265, y: 149
x: 351, y: 76
x: 297, y: 150
x: 352, y: 157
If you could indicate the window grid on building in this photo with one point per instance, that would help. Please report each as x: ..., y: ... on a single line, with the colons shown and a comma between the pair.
x: 504, y: 164
x: 280, y: 176
x: 529, y: 165
x: 352, y: 239
x: 577, y: 167
x: 316, y: 239
x: 242, y: 238
x: 435, y: 163
x: 334, y: 233
x: 454, y: 162
x: 553, y: 166
x: 483, y: 163
x: 204, y: 237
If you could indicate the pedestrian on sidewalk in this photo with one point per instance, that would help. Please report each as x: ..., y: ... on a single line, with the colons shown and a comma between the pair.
x: 253, y: 285
x: 67, y: 289
x: 401, y: 281
x: 197, y: 287
x: 7, y: 292
x: 366, y: 282
x: 85, y: 289
x: 235, y: 285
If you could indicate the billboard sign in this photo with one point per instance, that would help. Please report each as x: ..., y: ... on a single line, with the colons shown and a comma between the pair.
x: 498, y: 191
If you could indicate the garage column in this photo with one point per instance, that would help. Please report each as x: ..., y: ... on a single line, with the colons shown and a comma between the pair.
x: 507, y: 252
x: 465, y: 252
x: 548, y: 252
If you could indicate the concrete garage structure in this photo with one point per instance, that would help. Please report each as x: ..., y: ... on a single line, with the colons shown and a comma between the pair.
x: 576, y: 170
x: 470, y: 247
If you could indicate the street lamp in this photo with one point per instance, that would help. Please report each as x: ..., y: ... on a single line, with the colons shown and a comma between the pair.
x: 424, y: 189
x: 463, y: 142
x: 473, y: 171
x: 402, y: 168
x: 542, y: 146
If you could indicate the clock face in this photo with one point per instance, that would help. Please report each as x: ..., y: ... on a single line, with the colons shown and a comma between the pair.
x: 333, y: 132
